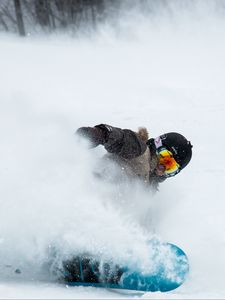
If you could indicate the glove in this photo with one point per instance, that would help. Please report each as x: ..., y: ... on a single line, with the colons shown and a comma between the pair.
x: 95, y: 135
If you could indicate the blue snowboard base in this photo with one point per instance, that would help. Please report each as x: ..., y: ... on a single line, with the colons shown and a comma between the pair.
x: 170, y: 269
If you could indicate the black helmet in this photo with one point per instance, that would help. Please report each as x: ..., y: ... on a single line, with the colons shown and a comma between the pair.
x: 179, y: 146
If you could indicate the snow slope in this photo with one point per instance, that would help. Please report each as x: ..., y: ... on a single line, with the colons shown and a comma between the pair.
x: 167, y: 74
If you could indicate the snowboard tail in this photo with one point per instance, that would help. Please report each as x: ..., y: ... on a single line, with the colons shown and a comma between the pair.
x: 170, y: 271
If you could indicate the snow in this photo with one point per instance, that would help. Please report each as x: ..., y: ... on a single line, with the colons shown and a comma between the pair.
x: 167, y: 75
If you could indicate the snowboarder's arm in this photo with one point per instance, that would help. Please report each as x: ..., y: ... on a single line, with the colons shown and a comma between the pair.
x: 123, y: 142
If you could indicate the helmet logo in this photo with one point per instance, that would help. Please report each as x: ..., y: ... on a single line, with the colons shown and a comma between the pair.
x: 163, y: 136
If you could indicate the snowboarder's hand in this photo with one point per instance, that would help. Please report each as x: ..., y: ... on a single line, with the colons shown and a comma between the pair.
x: 94, y: 134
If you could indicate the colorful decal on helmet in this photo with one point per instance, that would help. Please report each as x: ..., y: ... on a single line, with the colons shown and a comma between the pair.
x: 158, y: 142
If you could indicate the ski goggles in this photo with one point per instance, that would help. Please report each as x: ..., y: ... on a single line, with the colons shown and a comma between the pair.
x: 166, y: 159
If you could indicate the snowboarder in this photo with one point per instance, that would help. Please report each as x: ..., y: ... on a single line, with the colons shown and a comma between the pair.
x: 152, y: 160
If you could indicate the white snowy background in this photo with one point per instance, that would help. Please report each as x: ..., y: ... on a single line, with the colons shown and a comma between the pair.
x: 165, y: 72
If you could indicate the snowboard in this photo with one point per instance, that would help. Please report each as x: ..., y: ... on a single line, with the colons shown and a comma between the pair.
x: 169, y: 271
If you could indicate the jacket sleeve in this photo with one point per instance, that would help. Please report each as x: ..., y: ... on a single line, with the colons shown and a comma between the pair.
x: 123, y: 142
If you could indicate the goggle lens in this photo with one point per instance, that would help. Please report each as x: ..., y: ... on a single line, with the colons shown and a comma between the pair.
x: 167, y: 160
